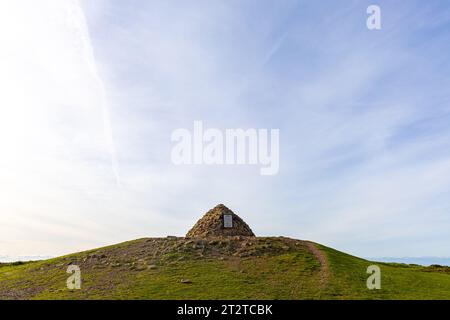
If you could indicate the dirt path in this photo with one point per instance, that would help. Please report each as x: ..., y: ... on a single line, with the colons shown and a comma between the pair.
x: 324, y: 267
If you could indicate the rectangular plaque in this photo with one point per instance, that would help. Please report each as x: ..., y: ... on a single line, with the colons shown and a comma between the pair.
x: 227, y: 221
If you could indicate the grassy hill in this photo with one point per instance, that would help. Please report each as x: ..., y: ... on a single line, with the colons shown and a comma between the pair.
x: 219, y: 268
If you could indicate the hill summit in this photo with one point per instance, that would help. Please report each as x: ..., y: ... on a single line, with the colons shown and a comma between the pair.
x: 219, y: 222
x: 220, y: 259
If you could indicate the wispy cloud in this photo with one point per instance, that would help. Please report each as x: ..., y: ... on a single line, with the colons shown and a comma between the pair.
x: 363, y: 118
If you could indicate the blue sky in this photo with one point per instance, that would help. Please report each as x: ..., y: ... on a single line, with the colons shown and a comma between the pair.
x: 363, y: 116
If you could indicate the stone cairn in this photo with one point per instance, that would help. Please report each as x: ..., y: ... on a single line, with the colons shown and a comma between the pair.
x: 212, y: 225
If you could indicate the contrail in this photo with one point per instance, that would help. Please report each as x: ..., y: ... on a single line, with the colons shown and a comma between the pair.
x: 78, y: 19
x: 273, y: 50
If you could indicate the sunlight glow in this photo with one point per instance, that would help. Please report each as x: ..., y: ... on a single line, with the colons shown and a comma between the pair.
x: 55, y: 128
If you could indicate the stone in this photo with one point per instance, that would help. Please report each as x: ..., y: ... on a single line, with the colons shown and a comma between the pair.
x: 140, y: 267
x: 212, y: 224
x: 186, y: 281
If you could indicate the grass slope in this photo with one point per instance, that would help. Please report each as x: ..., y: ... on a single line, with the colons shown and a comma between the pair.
x: 226, y: 268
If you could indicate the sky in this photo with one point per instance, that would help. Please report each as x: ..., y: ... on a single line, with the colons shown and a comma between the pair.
x: 92, y: 90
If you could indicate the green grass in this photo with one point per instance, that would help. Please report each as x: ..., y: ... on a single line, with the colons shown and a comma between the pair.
x: 268, y: 269
x: 398, y: 281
